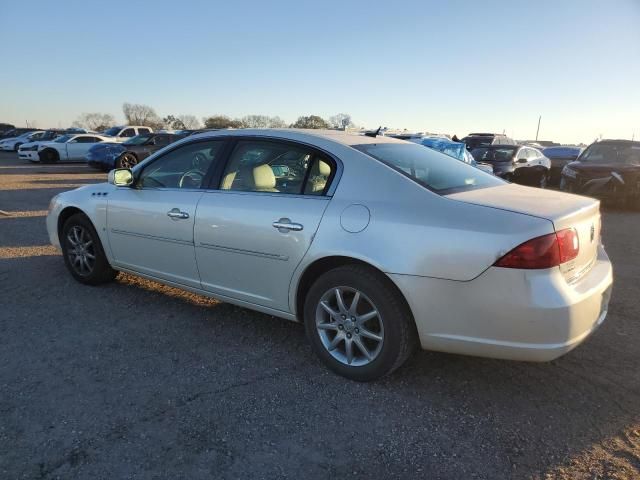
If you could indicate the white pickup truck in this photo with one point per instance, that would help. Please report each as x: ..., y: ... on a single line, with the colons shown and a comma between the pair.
x: 67, y: 148
x: 124, y: 133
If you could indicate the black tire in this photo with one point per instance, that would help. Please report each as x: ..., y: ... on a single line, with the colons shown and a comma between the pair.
x: 126, y: 160
x: 399, y: 338
x: 49, y: 155
x: 16, y: 147
x: 100, y: 271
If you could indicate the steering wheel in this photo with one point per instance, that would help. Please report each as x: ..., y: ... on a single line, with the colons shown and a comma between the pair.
x: 194, y: 177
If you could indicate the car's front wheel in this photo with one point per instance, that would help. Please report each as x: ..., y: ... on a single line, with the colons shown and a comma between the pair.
x: 127, y: 160
x: 83, y: 252
x: 358, y: 323
x: 16, y: 147
x: 49, y: 156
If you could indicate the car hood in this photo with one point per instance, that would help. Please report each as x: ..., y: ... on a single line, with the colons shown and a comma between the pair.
x: 597, y: 170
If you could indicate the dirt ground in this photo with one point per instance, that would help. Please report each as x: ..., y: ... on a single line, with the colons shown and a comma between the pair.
x: 137, y: 380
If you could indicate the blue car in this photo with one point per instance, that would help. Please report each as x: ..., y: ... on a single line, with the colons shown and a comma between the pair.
x: 107, y: 155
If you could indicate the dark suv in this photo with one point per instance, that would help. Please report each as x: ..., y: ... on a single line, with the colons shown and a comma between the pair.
x: 477, y: 140
x: 608, y: 169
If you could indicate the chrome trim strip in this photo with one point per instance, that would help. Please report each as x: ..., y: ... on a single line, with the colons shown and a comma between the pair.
x: 152, y: 237
x: 273, y: 256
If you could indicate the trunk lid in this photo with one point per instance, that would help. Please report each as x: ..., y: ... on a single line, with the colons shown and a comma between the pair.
x: 562, y: 209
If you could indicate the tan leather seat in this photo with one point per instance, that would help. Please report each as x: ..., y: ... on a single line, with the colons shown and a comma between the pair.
x: 264, y: 179
x: 319, y: 175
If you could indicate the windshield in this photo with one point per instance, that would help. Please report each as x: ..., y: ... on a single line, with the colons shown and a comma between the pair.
x: 475, y: 142
x: 137, y: 140
x: 628, y: 153
x: 438, y: 172
x: 503, y: 154
x: 63, y: 138
x: 113, y: 131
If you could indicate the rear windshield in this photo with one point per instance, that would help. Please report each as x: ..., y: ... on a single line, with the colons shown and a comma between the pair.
x: 628, y: 153
x: 439, y: 173
x: 504, y: 154
x: 475, y: 142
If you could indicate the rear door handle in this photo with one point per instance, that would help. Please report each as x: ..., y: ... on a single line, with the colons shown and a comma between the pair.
x: 284, y: 225
x: 176, y: 214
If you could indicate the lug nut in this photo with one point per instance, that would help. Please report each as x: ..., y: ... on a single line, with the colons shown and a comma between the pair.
x: 353, y: 319
x: 344, y: 317
x: 357, y: 330
x: 348, y: 335
x: 341, y: 327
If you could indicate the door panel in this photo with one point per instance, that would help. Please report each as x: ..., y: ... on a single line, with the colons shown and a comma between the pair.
x: 144, y: 238
x: 241, y: 254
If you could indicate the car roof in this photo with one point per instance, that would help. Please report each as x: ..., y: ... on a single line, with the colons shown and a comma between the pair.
x: 618, y: 142
x: 338, y: 136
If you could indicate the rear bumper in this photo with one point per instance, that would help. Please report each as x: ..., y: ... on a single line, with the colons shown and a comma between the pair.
x: 511, y: 314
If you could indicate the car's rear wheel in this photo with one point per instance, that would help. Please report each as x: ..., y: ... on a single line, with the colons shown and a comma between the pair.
x: 49, y: 156
x: 127, y: 160
x: 83, y: 252
x: 358, y: 323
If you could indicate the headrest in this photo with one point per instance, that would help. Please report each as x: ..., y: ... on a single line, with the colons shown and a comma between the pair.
x: 263, y: 177
x: 324, y: 168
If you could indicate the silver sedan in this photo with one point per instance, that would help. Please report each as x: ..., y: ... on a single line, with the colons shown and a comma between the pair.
x: 377, y: 245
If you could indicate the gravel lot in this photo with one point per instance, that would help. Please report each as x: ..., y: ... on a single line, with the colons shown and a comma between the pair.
x: 137, y: 380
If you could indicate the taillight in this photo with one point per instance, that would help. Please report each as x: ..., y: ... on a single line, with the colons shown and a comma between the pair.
x: 543, y: 252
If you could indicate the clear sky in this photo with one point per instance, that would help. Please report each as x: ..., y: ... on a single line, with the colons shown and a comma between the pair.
x: 440, y: 66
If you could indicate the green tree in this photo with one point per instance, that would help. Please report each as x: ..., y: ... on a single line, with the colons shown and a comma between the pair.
x: 222, y: 121
x: 311, y: 121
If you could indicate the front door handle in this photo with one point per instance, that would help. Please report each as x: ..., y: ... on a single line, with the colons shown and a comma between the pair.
x: 285, y: 225
x: 176, y: 214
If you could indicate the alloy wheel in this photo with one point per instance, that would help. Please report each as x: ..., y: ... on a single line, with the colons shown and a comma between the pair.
x: 349, y: 326
x: 81, y: 251
x: 128, y: 161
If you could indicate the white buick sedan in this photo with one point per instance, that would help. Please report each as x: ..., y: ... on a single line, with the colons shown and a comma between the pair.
x: 375, y: 244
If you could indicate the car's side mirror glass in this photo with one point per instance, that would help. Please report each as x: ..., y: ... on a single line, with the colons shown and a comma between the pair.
x: 120, y: 177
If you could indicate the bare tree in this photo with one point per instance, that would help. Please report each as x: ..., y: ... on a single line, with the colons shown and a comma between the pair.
x: 189, y: 122
x: 262, y: 121
x: 138, y: 114
x: 95, y: 121
x: 341, y: 120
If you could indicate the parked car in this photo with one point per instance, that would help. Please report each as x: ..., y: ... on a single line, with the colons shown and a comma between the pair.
x: 15, y: 132
x: 375, y: 244
x: 108, y: 155
x: 477, y: 140
x: 559, y: 157
x: 124, y: 133
x: 28, y: 150
x: 5, y: 128
x: 67, y: 148
x: 516, y: 163
x: 456, y: 150
x: 13, y: 143
x: 608, y: 169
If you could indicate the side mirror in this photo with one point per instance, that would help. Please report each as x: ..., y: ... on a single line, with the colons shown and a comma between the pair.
x: 120, y: 177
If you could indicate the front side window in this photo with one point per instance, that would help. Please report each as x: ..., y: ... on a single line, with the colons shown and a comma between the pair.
x: 129, y: 132
x: 87, y: 140
x: 185, y: 167
x: 433, y: 170
x: 113, y: 131
x: 266, y: 166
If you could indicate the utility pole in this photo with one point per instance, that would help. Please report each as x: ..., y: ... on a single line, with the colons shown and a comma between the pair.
x: 538, y: 130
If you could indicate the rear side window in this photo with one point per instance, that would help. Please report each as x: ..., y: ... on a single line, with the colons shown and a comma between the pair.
x: 437, y: 172
x: 143, y: 130
x: 276, y: 167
